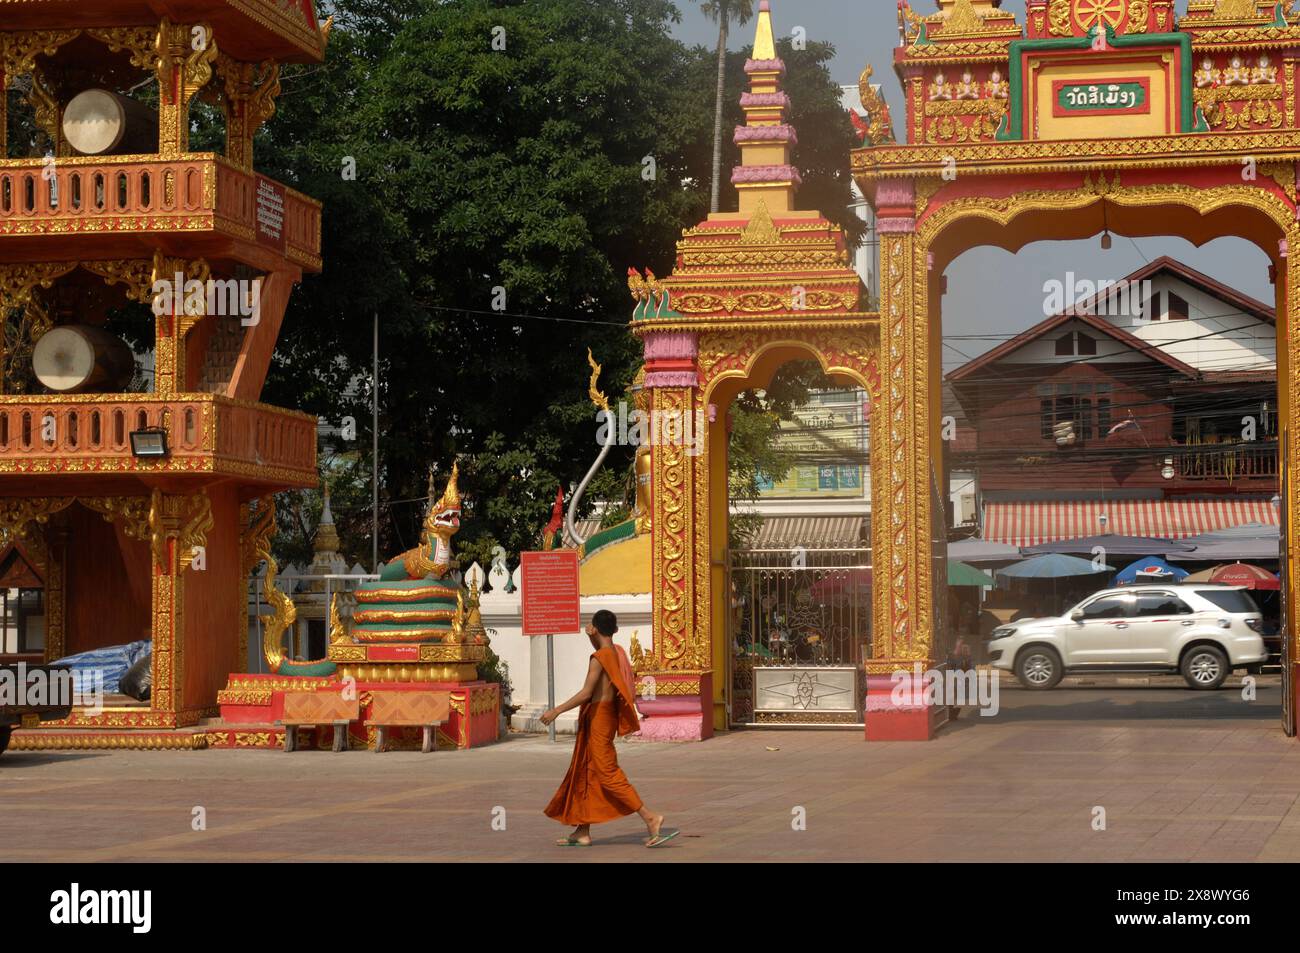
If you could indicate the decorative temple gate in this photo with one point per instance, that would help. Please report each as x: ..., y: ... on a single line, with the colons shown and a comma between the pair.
x: 1088, y: 119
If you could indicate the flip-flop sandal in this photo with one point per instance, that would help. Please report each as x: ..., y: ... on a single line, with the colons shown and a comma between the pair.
x: 571, y: 842
x: 662, y: 838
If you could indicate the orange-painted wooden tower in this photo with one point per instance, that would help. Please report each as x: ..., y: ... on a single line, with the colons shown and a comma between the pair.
x: 125, y: 547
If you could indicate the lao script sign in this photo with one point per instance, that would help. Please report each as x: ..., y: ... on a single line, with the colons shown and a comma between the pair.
x: 551, y: 601
x: 1106, y: 98
x: 270, y: 199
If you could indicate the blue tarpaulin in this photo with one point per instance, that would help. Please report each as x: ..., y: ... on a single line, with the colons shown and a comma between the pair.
x: 112, y: 661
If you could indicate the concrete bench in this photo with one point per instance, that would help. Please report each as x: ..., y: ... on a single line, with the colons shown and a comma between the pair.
x: 318, y: 708
x: 426, y: 710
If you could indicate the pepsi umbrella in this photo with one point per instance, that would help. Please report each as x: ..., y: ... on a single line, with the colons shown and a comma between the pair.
x: 1149, y: 569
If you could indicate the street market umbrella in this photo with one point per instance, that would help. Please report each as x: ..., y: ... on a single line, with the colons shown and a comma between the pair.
x: 1149, y: 569
x: 1053, y: 566
x: 1250, y: 541
x: 959, y: 574
x: 1243, y: 574
x: 982, y: 551
x: 1112, y: 545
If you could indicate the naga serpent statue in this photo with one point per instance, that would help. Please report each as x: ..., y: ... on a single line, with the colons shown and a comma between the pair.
x: 283, y: 612
x: 640, y: 521
x: 415, y: 600
x: 602, y: 402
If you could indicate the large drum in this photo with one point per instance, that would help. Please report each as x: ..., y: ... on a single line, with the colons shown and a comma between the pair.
x: 100, y: 122
x: 80, y: 358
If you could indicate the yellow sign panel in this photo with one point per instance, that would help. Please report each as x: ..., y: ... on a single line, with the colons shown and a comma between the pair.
x: 1108, y: 97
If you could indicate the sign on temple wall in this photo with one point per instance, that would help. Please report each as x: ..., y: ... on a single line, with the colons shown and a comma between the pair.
x: 1116, y: 97
x: 1101, y: 86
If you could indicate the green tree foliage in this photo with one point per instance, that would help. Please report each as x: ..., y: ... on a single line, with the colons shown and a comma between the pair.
x: 524, y: 168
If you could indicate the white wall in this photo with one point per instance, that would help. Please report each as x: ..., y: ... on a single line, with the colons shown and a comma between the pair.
x: 1043, y: 350
x: 526, y: 655
x: 1240, y: 341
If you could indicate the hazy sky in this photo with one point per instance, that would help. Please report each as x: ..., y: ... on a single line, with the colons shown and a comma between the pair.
x: 990, y: 291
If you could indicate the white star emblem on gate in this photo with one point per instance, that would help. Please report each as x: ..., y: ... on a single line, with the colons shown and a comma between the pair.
x: 805, y: 690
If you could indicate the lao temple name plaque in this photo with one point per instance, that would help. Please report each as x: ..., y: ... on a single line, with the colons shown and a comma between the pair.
x: 1106, y: 98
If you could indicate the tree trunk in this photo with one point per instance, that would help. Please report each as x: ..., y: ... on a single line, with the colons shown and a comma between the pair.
x: 717, y: 112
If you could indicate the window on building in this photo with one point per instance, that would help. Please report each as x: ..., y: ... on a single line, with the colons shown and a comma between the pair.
x: 1087, y: 406
x: 1177, y: 308
x: 24, y: 617
x: 1075, y: 343
x: 1151, y: 308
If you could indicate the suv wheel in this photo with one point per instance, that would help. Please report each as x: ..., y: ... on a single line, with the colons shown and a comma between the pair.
x: 1039, y: 667
x: 1204, y: 667
x: 4, y: 738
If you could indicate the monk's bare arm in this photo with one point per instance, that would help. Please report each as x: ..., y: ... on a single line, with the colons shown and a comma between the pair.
x: 585, y: 694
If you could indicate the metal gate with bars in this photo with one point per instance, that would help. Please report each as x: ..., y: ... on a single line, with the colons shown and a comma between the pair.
x: 799, y: 632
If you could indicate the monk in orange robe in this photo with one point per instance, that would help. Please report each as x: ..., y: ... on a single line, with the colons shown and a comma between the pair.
x: 596, y: 790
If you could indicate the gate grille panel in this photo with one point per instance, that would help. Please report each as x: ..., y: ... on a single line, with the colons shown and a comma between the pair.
x: 800, y: 630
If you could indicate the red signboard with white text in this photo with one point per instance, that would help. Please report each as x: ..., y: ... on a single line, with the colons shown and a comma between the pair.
x: 549, y: 589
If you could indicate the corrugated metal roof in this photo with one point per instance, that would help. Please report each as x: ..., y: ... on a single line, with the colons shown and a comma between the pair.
x: 813, y: 532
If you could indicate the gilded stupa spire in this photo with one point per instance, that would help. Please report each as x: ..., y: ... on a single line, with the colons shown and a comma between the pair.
x: 765, y: 175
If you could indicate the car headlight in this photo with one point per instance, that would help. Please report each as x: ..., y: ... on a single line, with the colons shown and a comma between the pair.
x: 1002, y: 633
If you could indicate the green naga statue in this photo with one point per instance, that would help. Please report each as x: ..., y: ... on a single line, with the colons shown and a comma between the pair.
x: 413, y: 599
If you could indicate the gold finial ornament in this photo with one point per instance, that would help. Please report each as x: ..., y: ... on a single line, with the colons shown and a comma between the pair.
x: 338, y: 634
x: 764, y: 41
x: 597, y: 397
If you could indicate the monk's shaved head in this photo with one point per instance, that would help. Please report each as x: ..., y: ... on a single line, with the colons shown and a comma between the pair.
x: 605, y: 622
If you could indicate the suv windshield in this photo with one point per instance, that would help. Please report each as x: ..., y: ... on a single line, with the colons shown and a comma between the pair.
x: 1230, y: 600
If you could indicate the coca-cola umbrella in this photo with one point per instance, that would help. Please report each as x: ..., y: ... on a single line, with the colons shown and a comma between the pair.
x: 1239, y: 574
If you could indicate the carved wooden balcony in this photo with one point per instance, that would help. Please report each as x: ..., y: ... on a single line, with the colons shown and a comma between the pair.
x: 128, y: 206
x: 208, y: 435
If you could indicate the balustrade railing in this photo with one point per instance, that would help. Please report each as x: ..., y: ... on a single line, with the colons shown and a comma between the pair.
x: 36, y: 197
x: 1237, y: 463
x: 90, y: 428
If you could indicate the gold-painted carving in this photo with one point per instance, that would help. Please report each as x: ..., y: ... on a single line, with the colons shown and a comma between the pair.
x: 18, y: 516
x: 1058, y: 18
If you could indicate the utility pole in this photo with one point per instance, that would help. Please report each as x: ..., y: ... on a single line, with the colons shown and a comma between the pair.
x: 374, y: 454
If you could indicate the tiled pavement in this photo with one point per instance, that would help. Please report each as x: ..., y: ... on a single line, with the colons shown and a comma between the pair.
x: 1181, y: 776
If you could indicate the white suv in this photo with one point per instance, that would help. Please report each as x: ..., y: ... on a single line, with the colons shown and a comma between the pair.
x: 1202, y: 631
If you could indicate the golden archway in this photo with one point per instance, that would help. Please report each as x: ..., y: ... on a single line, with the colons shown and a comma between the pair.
x: 1010, y: 137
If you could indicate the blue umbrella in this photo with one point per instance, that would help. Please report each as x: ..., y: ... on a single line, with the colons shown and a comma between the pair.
x: 1053, y: 566
x: 1149, y: 569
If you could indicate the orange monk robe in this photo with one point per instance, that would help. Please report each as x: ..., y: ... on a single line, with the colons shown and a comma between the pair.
x: 596, y: 789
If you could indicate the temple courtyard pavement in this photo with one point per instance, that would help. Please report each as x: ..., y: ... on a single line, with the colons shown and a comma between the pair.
x: 1171, y: 775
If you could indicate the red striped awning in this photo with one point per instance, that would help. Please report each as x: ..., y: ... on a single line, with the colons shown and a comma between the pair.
x: 1032, y: 524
